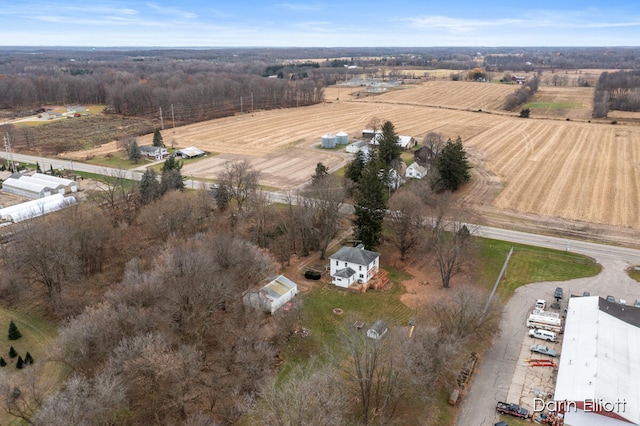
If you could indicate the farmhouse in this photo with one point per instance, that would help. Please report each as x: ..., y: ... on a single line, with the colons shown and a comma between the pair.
x: 416, y: 171
x: 155, y: 152
x: 377, y: 330
x: 600, y: 364
x: 189, y: 152
x: 351, y: 265
x: 271, y: 296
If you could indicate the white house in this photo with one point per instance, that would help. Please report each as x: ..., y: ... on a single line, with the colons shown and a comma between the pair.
x: 416, y: 171
x: 351, y: 265
x: 271, y: 296
x: 155, y: 152
x: 598, y: 373
x: 377, y: 330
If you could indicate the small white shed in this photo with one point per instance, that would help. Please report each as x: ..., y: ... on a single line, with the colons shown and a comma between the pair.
x: 273, y: 295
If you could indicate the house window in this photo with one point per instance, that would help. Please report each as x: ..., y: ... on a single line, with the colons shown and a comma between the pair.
x: 360, y: 268
x: 345, y: 264
x: 361, y: 276
x: 337, y: 263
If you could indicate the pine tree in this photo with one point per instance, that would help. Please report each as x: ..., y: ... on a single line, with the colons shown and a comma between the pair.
x: 370, y: 207
x: 388, y: 148
x: 14, y: 333
x: 12, y: 352
x: 20, y: 363
x: 157, y: 138
x: 28, y: 359
x: 134, y: 152
x: 149, y: 189
x: 321, y: 172
x: 452, y: 166
x: 355, y: 167
x: 3, y: 363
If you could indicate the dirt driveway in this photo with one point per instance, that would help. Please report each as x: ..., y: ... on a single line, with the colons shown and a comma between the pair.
x: 495, y: 379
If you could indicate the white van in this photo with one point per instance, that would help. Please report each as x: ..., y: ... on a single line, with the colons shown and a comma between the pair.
x: 541, y: 304
x: 549, y: 336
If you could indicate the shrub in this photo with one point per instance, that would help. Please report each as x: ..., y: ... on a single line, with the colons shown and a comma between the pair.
x: 28, y: 359
x: 312, y: 275
x: 12, y: 352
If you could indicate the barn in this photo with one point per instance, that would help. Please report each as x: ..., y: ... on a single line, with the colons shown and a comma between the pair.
x: 189, y: 152
x: 271, y: 296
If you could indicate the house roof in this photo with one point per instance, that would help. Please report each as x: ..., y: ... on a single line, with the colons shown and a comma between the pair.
x: 404, y: 141
x: 345, y: 273
x: 149, y: 148
x: 601, y: 355
x: 355, y: 255
x: 418, y: 168
x: 278, y: 287
x: 190, y: 151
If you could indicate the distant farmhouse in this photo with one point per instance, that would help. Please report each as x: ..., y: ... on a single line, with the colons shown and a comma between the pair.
x: 416, y: 171
x: 155, y: 152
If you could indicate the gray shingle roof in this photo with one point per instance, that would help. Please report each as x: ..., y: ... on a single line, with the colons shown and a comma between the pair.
x: 345, y: 273
x: 355, y: 255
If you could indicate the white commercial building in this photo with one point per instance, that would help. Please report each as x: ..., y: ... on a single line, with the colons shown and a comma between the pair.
x: 598, y: 381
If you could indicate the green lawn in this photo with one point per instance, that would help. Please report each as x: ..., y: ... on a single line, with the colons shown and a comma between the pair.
x: 634, y: 273
x: 37, y: 336
x: 553, y: 105
x: 529, y: 264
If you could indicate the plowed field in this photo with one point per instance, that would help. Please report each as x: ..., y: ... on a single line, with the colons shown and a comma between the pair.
x: 571, y: 170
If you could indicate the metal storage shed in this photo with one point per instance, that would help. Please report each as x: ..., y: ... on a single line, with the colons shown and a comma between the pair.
x: 273, y: 295
x: 69, y: 185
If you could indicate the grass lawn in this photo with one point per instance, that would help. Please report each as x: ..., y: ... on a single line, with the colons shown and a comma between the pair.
x: 553, y: 105
x: 529, y: 264
x: 37, y: 335
x: 634, y: 273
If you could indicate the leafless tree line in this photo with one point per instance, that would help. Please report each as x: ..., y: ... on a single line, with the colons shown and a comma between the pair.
x: 617, y: 90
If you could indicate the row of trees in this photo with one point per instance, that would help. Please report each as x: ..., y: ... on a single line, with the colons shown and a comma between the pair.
x: 523, y: 94
x: 616, y: 90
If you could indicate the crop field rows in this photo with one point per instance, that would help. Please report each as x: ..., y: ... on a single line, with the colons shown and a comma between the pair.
x: 545, y: 165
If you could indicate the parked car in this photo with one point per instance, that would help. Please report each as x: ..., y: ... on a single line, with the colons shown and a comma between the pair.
x: 611, y: 299
x: 622, y: 301
x: 544, y: 350
x: 541, y: 304
x: 586, y: 294
x: 549, y: 336
x: 501, y: 424
x: 637, y: 303
x: 558, y: 293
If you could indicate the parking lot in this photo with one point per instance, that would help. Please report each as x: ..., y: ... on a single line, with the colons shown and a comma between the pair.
x: 502, y: 374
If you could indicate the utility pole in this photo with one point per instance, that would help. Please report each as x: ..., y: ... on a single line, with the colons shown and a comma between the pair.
x: 251, y: 101
x: 161, y: 120
x: 173, y: 119
x: 7, y: 147
x: 240, y: 104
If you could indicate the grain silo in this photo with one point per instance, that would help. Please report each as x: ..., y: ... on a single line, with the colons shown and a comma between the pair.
x: 328, y: 141
x: 342, y: 138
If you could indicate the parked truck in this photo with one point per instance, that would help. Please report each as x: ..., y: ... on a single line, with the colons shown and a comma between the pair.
x: 512, y: 409
x: 545, y: 320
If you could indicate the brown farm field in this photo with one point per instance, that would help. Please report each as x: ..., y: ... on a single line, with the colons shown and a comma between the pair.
x: 587, y: 172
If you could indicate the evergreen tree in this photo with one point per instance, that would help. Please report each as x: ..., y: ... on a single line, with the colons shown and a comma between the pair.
x: 28, y: 359
x: 171, y: 164
x: 14, y: 333
x: 20, y: 363
x: 355, y: 167
x: 12, y: 352
x: 388, y: 148
x: 134, y: 152
x: 171, y: 180
x: 3, y: 363
x: 38, y: 169
x: 452, y: 166
x: 149, y: 189
x: 157, y: 138
x: 321, y: 172
x: 370, y: 206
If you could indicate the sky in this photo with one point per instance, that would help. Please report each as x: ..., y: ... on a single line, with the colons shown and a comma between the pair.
x: 319, y: 23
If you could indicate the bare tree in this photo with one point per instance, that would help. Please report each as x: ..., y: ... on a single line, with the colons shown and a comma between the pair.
x: 239, y: 181
x: 325, y: 198
x: 433, y: 142
x: 22, y: 397
x: 450, y: 249
x: 310, y: 395
x: 405, y: 219
x: 372, y: 374
x: 125, y: 143
x: 116, y: 195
